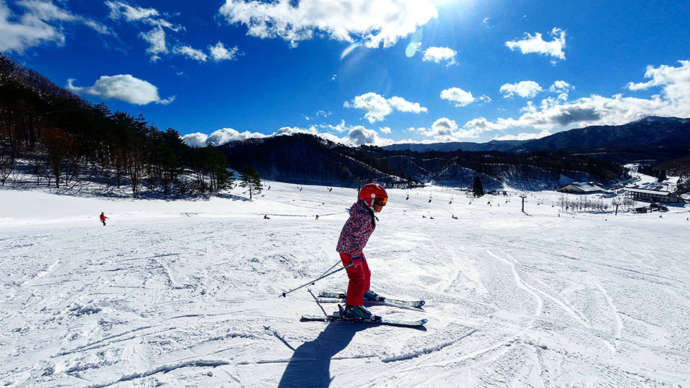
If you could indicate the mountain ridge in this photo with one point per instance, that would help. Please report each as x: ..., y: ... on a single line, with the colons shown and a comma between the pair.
x: 674, y: 134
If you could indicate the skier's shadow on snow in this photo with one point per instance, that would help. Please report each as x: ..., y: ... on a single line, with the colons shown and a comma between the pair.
x: 311, y: 362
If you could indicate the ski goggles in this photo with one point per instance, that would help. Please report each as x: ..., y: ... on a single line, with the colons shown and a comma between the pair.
x: 381, y: 201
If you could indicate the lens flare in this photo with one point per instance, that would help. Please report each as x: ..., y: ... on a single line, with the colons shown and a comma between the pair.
x: 414, y: 45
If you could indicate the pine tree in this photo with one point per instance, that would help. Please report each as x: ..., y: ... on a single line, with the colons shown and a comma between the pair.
x: 250, y: 179
x: 477, y: 188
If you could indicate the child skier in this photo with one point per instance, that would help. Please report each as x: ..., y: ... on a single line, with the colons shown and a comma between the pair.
x: 103, y: 218
x: 353, y: 237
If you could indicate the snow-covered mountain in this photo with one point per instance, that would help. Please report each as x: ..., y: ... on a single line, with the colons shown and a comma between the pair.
x: 186, y: 293
x: 658, y: 138
x: 641, y: 137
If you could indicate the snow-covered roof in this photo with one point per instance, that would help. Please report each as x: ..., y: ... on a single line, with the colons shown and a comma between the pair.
x: 654, y: 192
x: 584, y: 186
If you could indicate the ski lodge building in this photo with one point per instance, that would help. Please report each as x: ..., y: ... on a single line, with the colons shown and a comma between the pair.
x: 651, y: 195
x: 582, y: 188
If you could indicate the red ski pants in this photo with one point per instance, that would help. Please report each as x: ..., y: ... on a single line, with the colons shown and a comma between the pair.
x: 359, y: 279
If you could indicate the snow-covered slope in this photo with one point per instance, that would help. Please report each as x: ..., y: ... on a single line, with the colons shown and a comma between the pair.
x: 185, y: 293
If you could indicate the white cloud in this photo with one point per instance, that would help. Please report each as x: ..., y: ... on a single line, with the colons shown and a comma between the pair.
x: 340, y: 127
x: 524, y: 89
x: 487, y: 22
x: 191, y: 53
x: 32, y: 28
x: 196, y: 139
x: 47, y: 11
x: 403, y: 105
x: 355, y: 135
x: 443, y: 127
x: 458, y: 96
x: 219, y: 137
x: 557, y: 114
x: 386, y: 130
x: 675, y: 82
x: 220, y: 53
x: 122, y: 10
x: 485, y: 99
x: 534, y: 44
x: 561, y: 86
x: 444, y: 130
x: 156, y: 36
x: 149, y: 16
x: 288, y: 131
x: 375, y: 23
x: 378, y: 107
x: 156, y: 40
x: 479, y: 125
x: 226, y: 135
x: 440, y: 54
x: 123, y: 87
x: 360, y: 135
x: 29, y: 32
x: 525, y: 136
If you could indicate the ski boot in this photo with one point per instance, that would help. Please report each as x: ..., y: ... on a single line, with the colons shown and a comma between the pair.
x: 355, y: 312
x: 372, y: 296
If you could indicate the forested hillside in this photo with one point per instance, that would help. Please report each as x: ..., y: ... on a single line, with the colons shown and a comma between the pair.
x: 64, y: 142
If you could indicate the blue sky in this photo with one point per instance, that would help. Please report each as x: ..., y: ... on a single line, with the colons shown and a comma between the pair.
x: 362, y: 71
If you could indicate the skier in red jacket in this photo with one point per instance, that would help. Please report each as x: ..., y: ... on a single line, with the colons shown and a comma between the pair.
x: 353, y: 238
x: 103, y: 218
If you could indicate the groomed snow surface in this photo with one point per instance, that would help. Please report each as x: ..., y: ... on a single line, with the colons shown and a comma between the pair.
x: 186, y: 293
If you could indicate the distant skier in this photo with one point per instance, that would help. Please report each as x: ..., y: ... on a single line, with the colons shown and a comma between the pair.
x: 103, y: 218
x: 353, y: 238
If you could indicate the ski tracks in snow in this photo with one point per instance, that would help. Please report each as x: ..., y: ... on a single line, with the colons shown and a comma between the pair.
x: 455, y: 352
x: 619, y: 322
x: 42, y: 273
x: 539, y: 308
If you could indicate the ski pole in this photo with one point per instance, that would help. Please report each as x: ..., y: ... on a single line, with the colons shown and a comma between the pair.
x: 317, y: 302
x: 284, y: 294
x: 331, y: 267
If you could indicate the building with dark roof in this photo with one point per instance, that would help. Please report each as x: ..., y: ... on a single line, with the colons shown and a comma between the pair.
x: 582, y: 188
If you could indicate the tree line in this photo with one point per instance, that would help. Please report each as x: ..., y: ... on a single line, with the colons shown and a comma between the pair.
x: 63, y: 140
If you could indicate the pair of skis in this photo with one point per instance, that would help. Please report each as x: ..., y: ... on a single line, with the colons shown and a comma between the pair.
x: 339, y: 297
x: 335, y: 297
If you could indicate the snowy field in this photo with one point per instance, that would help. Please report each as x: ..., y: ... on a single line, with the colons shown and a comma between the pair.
x: 185, y: 293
